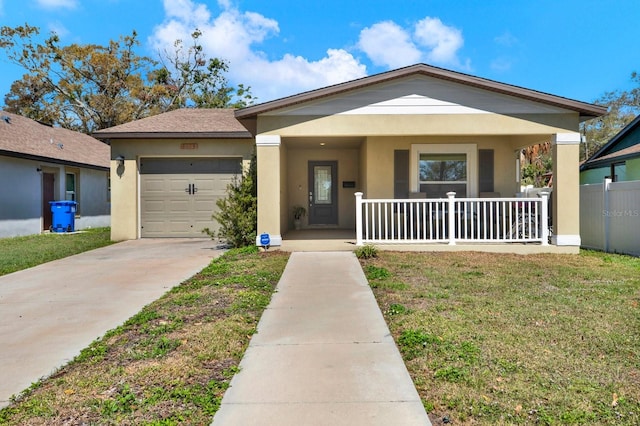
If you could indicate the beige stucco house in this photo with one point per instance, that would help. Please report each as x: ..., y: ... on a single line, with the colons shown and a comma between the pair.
x: 408, y: 139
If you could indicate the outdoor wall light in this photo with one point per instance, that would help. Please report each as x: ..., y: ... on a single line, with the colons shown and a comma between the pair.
x: 120, y: 160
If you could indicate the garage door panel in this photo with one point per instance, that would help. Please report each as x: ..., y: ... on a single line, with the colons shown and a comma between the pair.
x: 206, y: 207
x: 177, y: 226
x: 154, y: 206
x: 167, y: 210
x: 153, y: 185
x: 178, y: 207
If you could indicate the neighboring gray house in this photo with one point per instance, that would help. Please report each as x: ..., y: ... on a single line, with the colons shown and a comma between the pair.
x: 618, y: 159
x: 40, y: 163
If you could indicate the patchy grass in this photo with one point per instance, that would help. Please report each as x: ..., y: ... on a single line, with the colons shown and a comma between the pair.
x: 501, y: 339
x: 25, y: 252
x: 169, y: 364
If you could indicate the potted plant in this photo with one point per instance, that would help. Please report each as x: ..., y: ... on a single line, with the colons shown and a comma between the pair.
x: 298, y: 213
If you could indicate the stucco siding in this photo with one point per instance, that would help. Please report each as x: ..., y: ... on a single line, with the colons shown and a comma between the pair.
x: 407, y: 125
x: 20, y: 193
x: 378, y: 160
x: 285, y: 206
x: 94, y: 194
x: 298, y: 180
x: 20, y: 198
x: 95, y: 208
x: 566, y: 192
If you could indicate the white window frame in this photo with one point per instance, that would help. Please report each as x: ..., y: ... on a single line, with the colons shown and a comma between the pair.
x: 76, y: 188
x: 470, y: 150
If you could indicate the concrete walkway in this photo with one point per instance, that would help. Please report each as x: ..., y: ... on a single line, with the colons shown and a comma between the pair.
x: 50, y: 312
x: 323, y: 355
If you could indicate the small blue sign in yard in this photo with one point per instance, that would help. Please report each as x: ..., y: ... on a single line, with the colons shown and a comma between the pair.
x: 265, y: 240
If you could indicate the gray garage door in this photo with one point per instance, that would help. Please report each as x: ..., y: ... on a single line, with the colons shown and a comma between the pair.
x: 178, y: 195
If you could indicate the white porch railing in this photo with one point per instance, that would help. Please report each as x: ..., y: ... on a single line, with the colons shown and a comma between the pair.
x: 481, y: 220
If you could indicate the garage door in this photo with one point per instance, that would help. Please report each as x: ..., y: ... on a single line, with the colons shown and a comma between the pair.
x: 178, y: 195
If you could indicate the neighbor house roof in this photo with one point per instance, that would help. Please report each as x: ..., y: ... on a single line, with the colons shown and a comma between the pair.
x: 611, y: 151
x: 180, y: 123
x: 25, y: 138
x: 586, y: 110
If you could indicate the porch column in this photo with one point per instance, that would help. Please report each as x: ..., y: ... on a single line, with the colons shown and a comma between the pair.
x: 268, y: 169
x: 566, y: 189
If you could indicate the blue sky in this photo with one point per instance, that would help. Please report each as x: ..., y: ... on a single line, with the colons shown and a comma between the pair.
x: 578, y: 49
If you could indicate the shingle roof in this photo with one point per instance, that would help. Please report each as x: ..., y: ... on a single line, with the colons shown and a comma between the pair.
x: 26, y: 138
x: 604, y: 154
x: 586, y: 110
x: 180, y: 123
x: 623, y: 153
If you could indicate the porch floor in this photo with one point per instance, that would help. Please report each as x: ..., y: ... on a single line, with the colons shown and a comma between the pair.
x: 345, y: 240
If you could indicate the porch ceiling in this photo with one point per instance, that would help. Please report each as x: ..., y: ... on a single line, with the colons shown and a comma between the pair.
x: 329, y: 142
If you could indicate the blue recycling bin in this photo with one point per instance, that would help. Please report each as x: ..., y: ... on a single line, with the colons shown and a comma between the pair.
x: 64, y: 216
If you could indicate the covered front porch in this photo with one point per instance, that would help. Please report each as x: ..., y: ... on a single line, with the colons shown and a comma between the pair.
x: 380, y: 191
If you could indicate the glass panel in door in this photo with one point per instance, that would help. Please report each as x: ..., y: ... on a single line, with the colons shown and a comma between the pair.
x: 322, y: 178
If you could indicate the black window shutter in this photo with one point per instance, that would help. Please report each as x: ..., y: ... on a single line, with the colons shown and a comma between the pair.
x: 401, y: 173
x: 485, y: 174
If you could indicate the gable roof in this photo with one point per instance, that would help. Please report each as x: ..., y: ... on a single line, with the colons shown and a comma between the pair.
x: 611, y: 151
x: 26, y: 138
x: 180, y: 123
x: 586, y: 110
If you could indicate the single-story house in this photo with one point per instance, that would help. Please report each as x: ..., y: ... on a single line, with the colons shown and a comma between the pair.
x: 417, y: 155
x: 39, y: 164
x: 618, y: 159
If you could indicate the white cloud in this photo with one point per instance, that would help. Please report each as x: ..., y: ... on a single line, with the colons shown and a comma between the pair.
x: 235, y: 36
x: 54, y: 4
x: 386, y: 43
x: 431, y: 41
x: 443, y: 41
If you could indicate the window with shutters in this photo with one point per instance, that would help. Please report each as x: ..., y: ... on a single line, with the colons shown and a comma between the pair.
x: 438, y: 168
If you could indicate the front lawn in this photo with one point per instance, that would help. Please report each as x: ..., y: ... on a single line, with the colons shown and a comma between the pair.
x: 507, y: 339
x: 25, y: 252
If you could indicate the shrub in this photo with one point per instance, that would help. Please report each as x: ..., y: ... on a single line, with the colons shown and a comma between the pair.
x: 367, y: 251
x: 238, y: 211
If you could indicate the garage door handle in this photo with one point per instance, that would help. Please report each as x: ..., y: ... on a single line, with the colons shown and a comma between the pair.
x: 191, y: 189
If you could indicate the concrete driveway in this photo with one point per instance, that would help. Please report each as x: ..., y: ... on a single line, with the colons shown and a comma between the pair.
x: 50, y: 312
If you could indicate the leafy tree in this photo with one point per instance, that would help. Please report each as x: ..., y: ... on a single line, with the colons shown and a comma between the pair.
x: 193, y: 81
x: 80, y: 87
x: 536, y: 162
x: 238, y: 212
x: 622, y: 105
x: 91, y: 87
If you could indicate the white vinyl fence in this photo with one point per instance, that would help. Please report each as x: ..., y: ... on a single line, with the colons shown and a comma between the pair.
x: 610, y: 216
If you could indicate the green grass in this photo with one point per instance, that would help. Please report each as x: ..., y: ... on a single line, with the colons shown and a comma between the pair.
x: 497, y: 339
x: 25, y: 252
x: 169, y: 364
